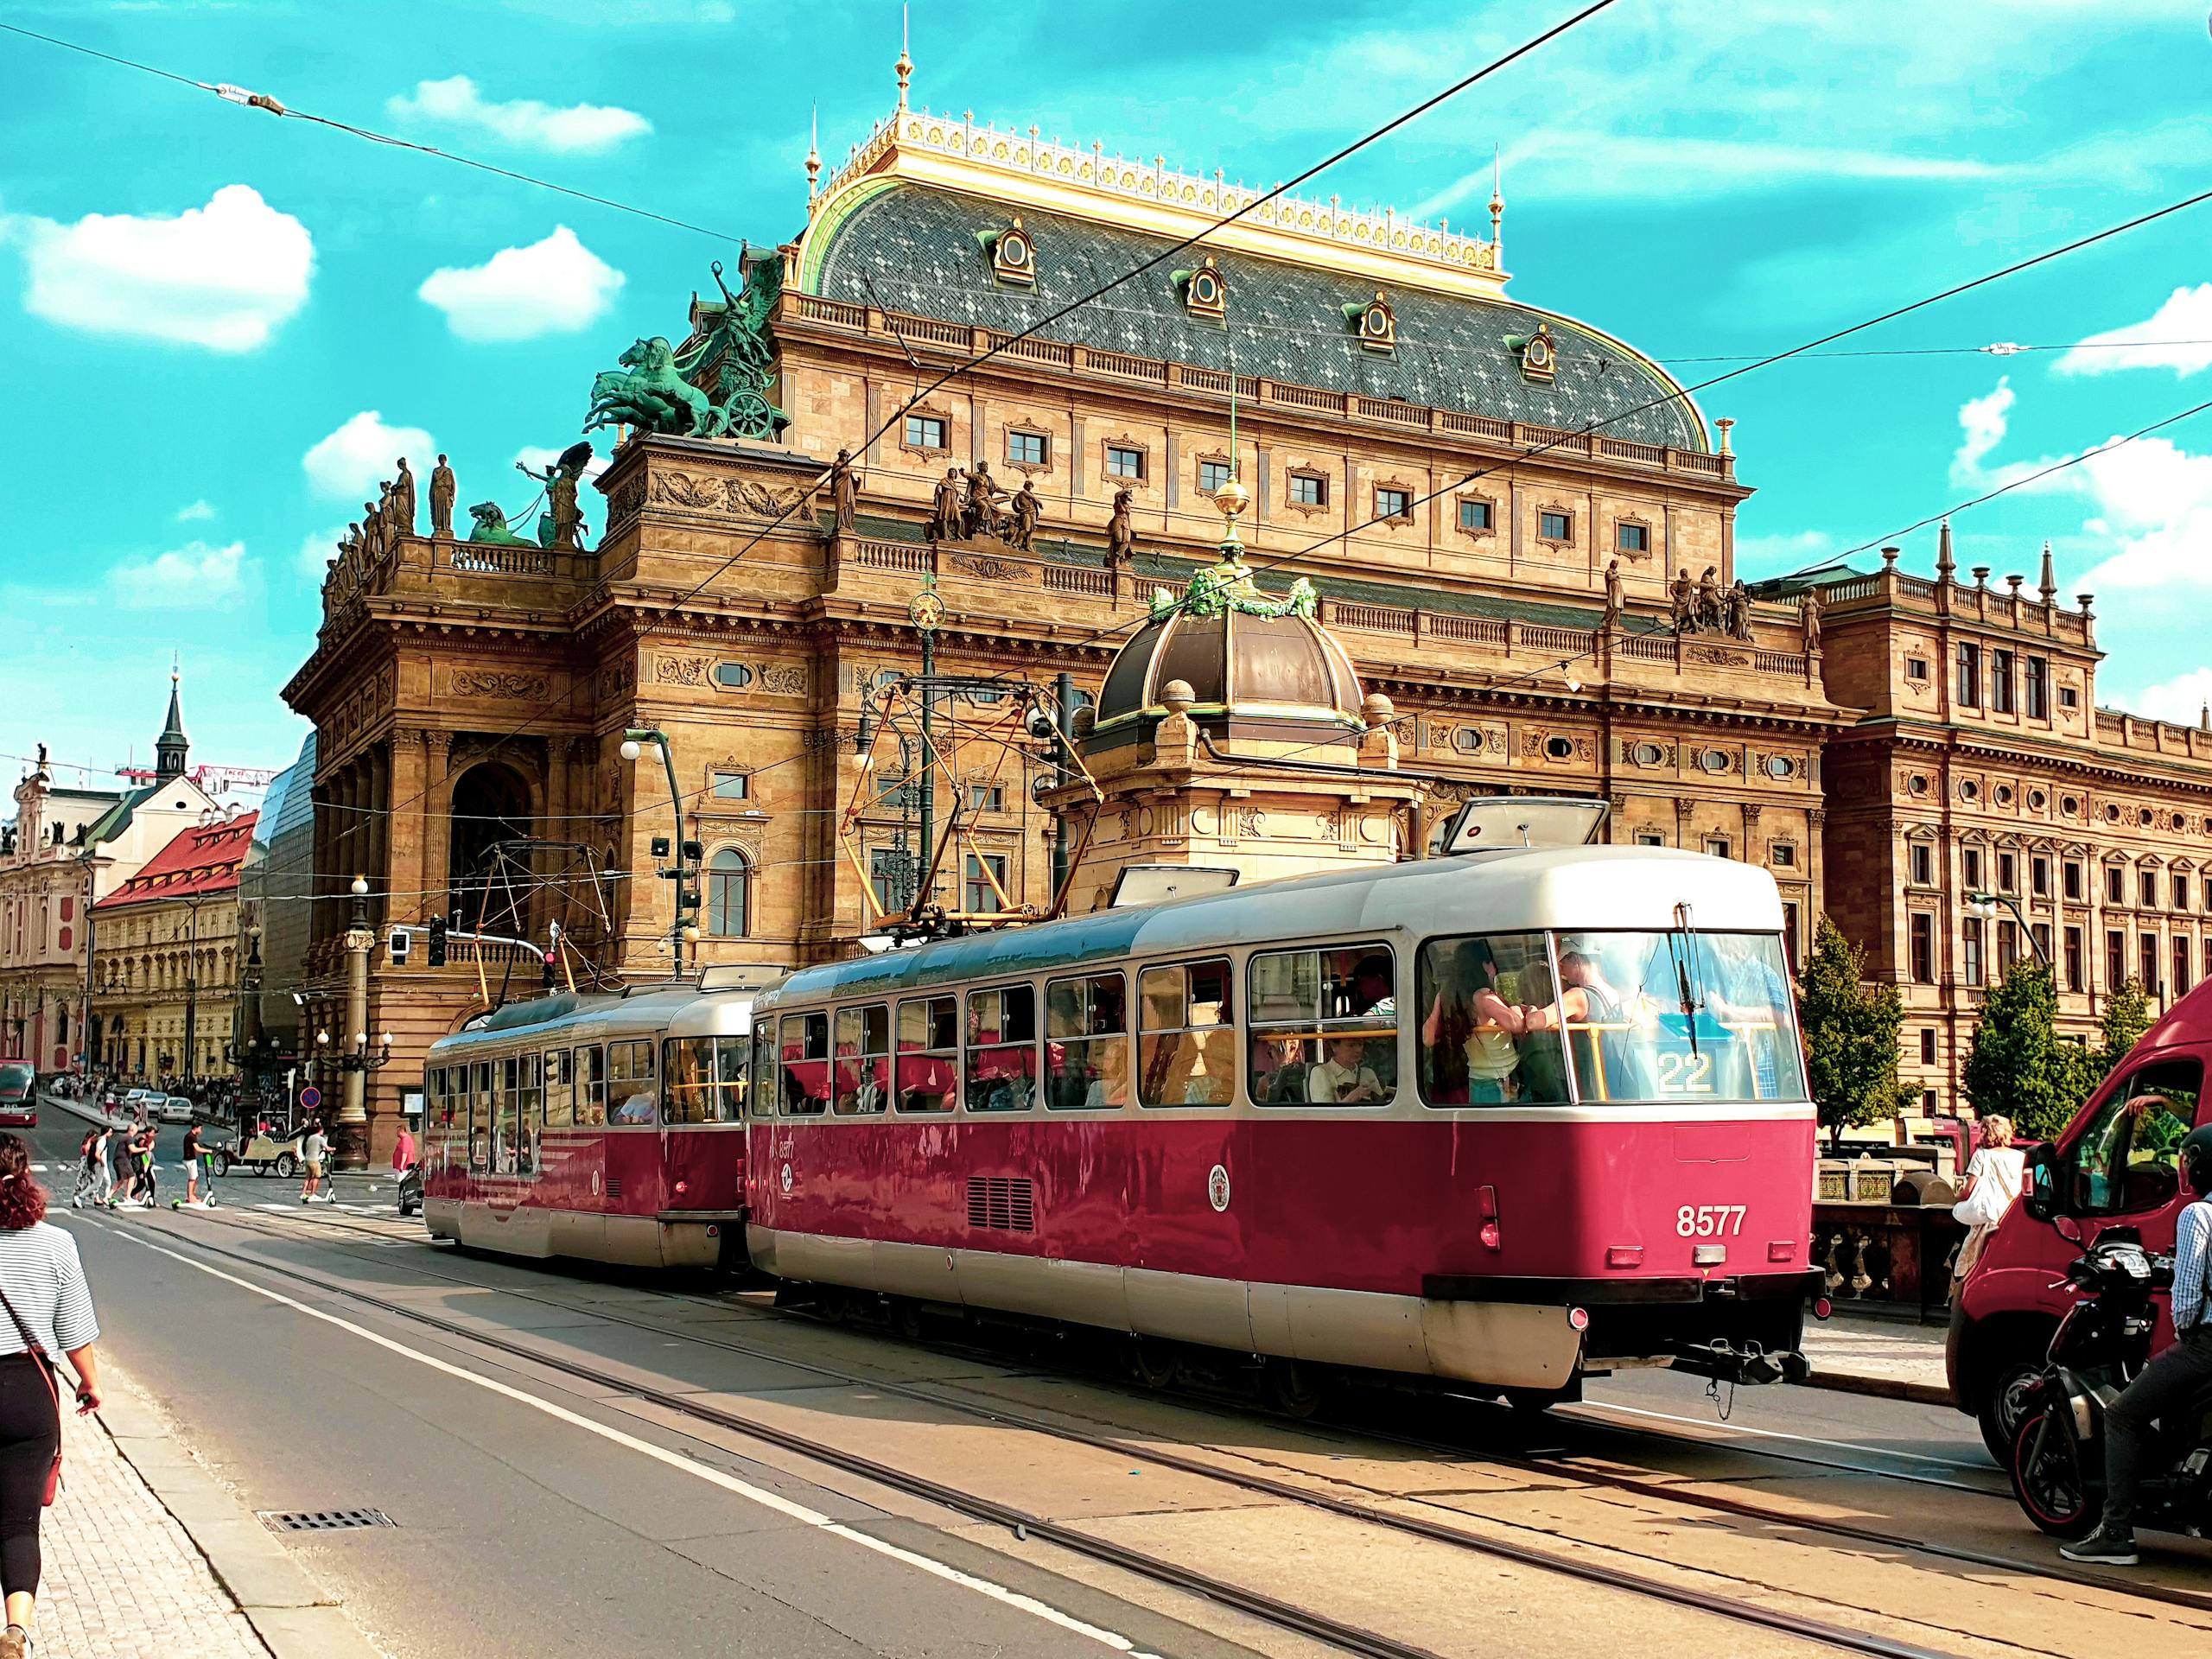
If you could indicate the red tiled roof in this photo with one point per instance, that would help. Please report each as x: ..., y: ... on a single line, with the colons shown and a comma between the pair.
x: 201, y: 860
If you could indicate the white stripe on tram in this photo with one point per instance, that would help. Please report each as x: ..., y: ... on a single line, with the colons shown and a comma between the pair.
x: 766, y: 1499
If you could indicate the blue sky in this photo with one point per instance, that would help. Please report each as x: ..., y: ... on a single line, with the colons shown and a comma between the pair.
x: 217, y: 328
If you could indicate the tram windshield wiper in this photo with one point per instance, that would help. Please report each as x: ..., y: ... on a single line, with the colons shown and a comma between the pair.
x: 1680, y: 948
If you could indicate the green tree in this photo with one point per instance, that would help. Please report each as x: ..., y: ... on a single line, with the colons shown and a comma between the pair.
x: 2019, y: 1065
x: 1852, y: 1031
x: 2127, y: 1016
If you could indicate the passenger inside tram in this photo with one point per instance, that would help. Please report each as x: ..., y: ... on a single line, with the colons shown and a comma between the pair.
x: 1345, y: 1078
x: 1477, y: 1046
x: 1324, y: 1027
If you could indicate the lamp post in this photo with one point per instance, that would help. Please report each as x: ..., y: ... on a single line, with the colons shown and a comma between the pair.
x: 634, y: 742
x: 1985, y: 904
x: 349, y: 1136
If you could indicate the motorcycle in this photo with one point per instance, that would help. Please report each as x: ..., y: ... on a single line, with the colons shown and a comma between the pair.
x: 2100, y: 1347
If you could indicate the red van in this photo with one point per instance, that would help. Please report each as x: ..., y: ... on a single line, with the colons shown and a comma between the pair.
x: 2112, y: 1167
x: 18, y: 1095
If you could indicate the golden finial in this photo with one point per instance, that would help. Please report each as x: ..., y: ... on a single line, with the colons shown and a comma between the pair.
x: 813, y: 157
x: 1498, y: 201
x: 905, y: 64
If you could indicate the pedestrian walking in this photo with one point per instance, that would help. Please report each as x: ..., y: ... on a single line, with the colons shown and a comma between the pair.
x: 403, y: 1151
x: 199, y: 1166
x: 49, y: 1309
x: 311, y: 1154
x: 1994, y: 1174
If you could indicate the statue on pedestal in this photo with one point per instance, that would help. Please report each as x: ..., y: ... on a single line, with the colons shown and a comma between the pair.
x: 1808, y: 614
x: 1616, y: 595
x: 1027, y: 507
x: 945, y: 511
x: 1681, y: 603
x: 372, y: 529
x: 442, y: 495
x: 982, y: 512
x: 1120, y: 530
x: 1737, y: 605
x: 402, y: 500
x: 844, y: 491
x: 563, y: 525
x: 1708, y: 600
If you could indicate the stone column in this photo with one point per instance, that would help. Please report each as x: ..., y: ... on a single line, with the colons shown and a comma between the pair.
x: 402, y: 851
x: 431, y: 818
x: 377, y: 827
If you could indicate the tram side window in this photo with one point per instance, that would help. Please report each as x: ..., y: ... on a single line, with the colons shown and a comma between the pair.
x: 591, y: 1086
x: 804, y: 1064
x: 1325, y: 1027
x: 479, y: 1115
x: 688, y: 1064
x: 1473, y: 995
x: 559, y: 1090
x: 863, y: 1060
x: 732, y: 1070
x: 503, y: 1115
x: 629, y: 1081
x: 1002, y: 1049
x: 1087, y: 1043
x: 1187, y: 1037
x: 929, y: 1053
x: 764, y: 1067
x: 529, y: 1112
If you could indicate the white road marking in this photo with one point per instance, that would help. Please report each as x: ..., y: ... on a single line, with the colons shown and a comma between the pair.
x: 1777, y: 1435
x: 276, y: 1206
x: 766, y: 1499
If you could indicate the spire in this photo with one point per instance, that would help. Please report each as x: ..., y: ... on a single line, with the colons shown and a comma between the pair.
x: 1944, y: 563
x: 905, y: 63
x: 2049, y: 582
x: 813, y: 156
x: 1497, y: 202
x: 172, y: 746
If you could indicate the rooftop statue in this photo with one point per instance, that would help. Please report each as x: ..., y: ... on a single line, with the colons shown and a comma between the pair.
x: 492, y: 526
x: 741, y: 350
x: 647, y: 392
x: 562, y: 526
x: 1228, y: 586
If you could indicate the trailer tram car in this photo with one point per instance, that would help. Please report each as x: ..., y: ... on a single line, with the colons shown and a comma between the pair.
x: 608, y: 1127
x: 1507, y: 1119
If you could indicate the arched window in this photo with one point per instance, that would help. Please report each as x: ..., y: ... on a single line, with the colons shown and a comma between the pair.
x: 728, y: 873
x: 490, y: 805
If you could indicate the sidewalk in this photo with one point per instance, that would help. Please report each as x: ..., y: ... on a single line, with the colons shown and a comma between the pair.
x: 1895, y: 1361
x: 146, y: 1553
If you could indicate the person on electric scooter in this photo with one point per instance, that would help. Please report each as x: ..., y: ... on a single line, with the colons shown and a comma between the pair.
x: 2169, y: 1381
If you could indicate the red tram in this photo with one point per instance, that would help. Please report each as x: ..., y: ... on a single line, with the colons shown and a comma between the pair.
x: 1507, y: 1118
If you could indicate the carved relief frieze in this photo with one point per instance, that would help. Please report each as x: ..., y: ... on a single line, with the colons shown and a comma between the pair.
x: 682, y: 671
x: 738, y: 497
x: 784, y: 679
x: 505, y: 685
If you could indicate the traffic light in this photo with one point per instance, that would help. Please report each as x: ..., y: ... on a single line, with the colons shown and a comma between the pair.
x: 437, y: 951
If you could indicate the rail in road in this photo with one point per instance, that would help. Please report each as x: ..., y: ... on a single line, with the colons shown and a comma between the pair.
x: 1362, y: 1507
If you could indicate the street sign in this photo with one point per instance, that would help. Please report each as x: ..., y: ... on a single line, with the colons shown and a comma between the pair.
x: 310, y: 1098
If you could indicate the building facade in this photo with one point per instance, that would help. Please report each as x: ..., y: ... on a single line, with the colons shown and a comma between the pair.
x: 166, y: 988
x: 1520, y: 528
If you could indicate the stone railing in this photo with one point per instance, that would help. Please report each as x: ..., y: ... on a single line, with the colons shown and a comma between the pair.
x: 2121, y: 730
x: 1214, y: 383
x: 1954, y: 598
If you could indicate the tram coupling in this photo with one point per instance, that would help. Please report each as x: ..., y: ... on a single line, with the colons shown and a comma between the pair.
x: 1727, y: 1362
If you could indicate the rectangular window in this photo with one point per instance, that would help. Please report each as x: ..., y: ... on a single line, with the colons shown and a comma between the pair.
x: 2000, y: 681
x: 925, y: 432
x: 1122, y: 461
x: 591, y: 1087
x: 529, y: 1112
x: 733, y: 1076
x: 987, y: 798
x: 2008, y: 944
x: 1716, y: 846
x: 1970, y: 868
x: 2073, y: 880
x: 2041, y: 932
x: 733, y: 786
x: 1002, y: 1050
x: 1324, y: 1027
x: 1649, y: 838
x: 2039, y: 877
x: 929, y: 1053
x: 1555, y: 526
x: 981, y: 892
x: 559, y: 1090
x: 1924, y: 863
x: 2180, y: 888
x: 630, y: 1094
x: 1915, y: 668
x: 1186, y: 1035
x: 890, y: 876
x: 2073, y: 981
x: 1927, y: 1047
x: 2179, y: 985
x: 2147, y: 885
x: 1928, y: 1102
x: 1782, y: 856
x: 2115, y: 890
x: 1970, y: 675
x: 803, y: 1063
x: 1025, y: 448
x: 1922, y: 929
x: 1212, y: 475
x: 2115, y: 960
x: 1970, y: 939
x: 694, y: 1090
x: 2122, y: 1162
x: 2147, y: 954
x: 1632, y: 539
x: 1309, y: 489
x: 863, y: 1061
x: 2038, y: 689
x: 1731, y: 1035
x: 2208, y: 959
x: 1472, y: 1047
x: 1087, y: 1043
x: 2008, y: 873
x: 1792, y: 937
x: 480, y: 1114
x: 2069, y: 697
x: 1394, y: 504
x: 1474, y: 515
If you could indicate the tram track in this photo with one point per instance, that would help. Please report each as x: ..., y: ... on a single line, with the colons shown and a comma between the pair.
x: 990, y: 1411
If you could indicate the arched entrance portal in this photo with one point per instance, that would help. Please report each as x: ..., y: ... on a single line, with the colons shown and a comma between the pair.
x: 491, y: 804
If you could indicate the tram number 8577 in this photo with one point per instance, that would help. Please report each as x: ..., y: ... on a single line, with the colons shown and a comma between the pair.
x: 1709, y: 1220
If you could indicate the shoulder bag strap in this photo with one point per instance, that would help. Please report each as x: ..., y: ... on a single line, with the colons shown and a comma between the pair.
x: 30, y: 1343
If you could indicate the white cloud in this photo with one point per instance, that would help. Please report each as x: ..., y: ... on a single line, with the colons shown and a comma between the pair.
x: 1774, y: 555
x: 196, y: 511
x: 1981, y: 429
x: 539, y: 458
x: 351, y: 461
x: 2181, y: 699
x: 316, y: 550
x: 581, y: 127
x: 2176, y: 336
x: 556, y: 286
x: 192, y: 577
x: 225, y: 277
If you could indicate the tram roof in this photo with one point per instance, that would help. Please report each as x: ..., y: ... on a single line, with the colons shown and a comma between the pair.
x: 650, y: 1007
x: 1507, y: 890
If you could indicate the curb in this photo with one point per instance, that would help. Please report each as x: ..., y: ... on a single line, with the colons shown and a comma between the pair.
x: 1882, y: 1387
x: 294, y: 1617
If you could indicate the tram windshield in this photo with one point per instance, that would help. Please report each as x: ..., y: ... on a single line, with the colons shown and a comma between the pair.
x: 1612, y: 1017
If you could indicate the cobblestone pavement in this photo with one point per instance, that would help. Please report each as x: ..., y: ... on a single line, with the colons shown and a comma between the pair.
x: 122, y: 1580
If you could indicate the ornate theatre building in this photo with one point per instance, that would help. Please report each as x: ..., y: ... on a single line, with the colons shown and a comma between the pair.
x: 1520, y: 528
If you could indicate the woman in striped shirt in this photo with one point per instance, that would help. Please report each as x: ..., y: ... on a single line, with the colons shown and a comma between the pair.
x: 48, y: 1310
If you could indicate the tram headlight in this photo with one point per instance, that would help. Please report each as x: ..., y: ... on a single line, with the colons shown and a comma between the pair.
x: 1579, y: 1317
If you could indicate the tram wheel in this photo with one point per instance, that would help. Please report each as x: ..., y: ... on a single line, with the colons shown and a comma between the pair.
x: 1295, y: 1390
x: 1155, y: 1365
x: 832, y: 1306
x: 906, y: 1319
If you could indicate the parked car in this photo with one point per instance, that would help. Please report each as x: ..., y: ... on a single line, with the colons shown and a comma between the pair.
x: 410, y: 1190
x: 2111, y: 1167
x: 18, y: 1095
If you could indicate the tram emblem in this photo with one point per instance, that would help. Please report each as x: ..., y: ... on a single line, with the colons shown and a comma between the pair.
x: 1217, y: 1188
x: 787, y: 1181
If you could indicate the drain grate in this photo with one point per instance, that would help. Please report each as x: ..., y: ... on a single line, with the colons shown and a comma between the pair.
x: 323, y: 1520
